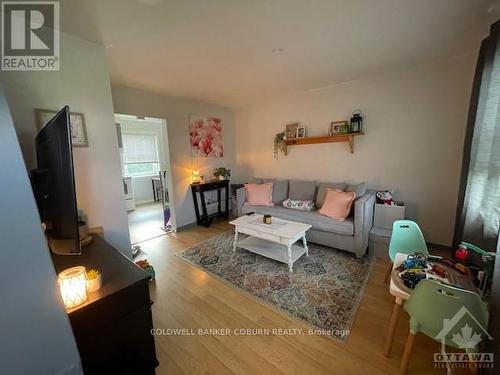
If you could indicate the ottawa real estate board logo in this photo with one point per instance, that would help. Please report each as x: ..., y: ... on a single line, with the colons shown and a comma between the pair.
x: 463, y: 332
x: 30, y: 35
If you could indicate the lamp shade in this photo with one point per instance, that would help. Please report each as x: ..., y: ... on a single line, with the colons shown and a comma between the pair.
x: 73, y: 286
x: 195, y: 176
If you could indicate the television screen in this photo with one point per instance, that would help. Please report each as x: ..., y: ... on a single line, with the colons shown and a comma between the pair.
x: 55, y: 184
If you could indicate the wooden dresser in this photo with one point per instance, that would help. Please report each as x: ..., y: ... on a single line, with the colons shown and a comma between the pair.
x: 113, y: 327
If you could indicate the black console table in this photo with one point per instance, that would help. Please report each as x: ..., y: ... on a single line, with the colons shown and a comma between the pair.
x: 206, y: 219
x: 113, y: 327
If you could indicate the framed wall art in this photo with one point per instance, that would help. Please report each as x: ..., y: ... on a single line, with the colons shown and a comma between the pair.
x: 205, y: 136
x: 292, y: 130
x: 77, y: 123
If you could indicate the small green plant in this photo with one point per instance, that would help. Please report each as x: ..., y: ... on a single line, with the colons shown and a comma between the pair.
x: 278, y: 144
x: 92, y: 274
x: 221, y: 171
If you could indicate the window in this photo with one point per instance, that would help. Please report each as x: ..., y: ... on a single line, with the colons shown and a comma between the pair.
x: 140, y: 155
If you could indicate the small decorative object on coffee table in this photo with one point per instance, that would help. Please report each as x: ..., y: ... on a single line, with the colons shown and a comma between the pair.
x: 267, y: 219
x: 275, y: 240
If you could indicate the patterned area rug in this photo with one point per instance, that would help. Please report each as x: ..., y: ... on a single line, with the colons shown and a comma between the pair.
x: 323, y: 291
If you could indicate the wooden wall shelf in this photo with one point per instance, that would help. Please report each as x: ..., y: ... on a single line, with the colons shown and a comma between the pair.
x: 348, y: 138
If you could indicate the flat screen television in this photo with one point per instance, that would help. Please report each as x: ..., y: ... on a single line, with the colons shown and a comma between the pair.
x: 54, y: 185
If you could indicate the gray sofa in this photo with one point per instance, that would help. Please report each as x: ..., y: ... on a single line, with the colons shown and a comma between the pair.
x: 350, y: 235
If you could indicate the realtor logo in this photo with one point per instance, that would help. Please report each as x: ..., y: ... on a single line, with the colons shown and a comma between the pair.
x: 465, y: 332
x: 30, y: 35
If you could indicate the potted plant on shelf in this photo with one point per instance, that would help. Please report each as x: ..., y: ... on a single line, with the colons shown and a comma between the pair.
x: 222, y: 173
x: 279, y: 143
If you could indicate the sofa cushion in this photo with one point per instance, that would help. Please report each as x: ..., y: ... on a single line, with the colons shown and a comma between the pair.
x: 259, y: 194
x: 302, y: 190
x: 337, y: 204
x: 318, y: 222
x: 280, y: 191
x: 298, y: 205
x: 280, y: 188
x: 320, y: 197
x: 359, y: 189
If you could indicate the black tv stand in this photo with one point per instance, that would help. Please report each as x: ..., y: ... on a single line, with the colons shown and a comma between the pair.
x: 113, y: 327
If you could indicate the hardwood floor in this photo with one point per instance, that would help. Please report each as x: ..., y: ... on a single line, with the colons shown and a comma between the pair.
x: 146, y: 222
x: 186, y: 297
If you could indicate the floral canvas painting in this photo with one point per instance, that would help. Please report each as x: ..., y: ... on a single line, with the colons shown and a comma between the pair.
x: 205, y: 135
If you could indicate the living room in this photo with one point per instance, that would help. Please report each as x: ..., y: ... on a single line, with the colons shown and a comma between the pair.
x: 307, y: 147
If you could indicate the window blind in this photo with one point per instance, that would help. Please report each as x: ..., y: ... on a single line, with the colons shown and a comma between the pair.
x: 139, y: 148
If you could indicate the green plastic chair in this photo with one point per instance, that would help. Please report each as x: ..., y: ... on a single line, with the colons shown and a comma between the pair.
x: 441, y: 311
x: 406, y: 238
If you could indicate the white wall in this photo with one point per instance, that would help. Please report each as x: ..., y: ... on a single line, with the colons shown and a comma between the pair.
x: 414, y: 120
x: 83, y: 84
x: 35, y: 330
x: 176, y: 111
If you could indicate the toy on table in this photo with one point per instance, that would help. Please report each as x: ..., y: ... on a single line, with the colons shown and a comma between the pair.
x: 416, y: 261
x: 412, y: 277
x: 439, y: 271
x: 447, y: 262
x: 461, y: 268
x: 464, y: 254
x: 413, y: 270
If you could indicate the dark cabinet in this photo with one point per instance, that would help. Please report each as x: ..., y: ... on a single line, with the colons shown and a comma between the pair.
x: 113, y: 327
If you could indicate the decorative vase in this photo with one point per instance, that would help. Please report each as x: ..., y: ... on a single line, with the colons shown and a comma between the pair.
x: 94, y: 284
x: 221, y: 177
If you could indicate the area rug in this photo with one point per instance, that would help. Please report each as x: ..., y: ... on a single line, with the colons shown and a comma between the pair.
x: 323, y: 291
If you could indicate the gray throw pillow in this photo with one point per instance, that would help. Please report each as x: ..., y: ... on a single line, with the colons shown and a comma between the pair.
x: 359, y: 189
x: 320, y: 197
x: 302, y: 190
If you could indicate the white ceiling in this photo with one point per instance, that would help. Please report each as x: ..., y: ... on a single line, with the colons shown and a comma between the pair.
x: 220, y: 51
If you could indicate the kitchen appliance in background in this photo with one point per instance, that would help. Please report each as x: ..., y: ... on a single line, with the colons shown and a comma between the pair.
x: 129, y: 193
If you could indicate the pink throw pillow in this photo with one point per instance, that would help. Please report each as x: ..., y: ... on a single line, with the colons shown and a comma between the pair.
x: 337, y: 204
x: 259, y: 194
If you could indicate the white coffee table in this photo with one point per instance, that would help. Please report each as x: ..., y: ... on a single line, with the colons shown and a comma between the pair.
x: 275, y: 241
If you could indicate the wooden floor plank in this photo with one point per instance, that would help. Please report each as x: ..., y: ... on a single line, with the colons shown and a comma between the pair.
x: 187, y: 297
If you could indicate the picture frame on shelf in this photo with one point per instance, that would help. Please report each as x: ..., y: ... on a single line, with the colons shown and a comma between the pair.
x: 336, y: 127
x: 292, y: 129
x: 77, y: 123
x: 301, y: 132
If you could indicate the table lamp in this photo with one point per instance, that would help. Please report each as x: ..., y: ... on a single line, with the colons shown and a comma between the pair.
x: 73, y: 286
x: 195, y: 176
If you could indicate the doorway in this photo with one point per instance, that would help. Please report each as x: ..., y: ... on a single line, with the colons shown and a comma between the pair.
x: 146, y: 176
